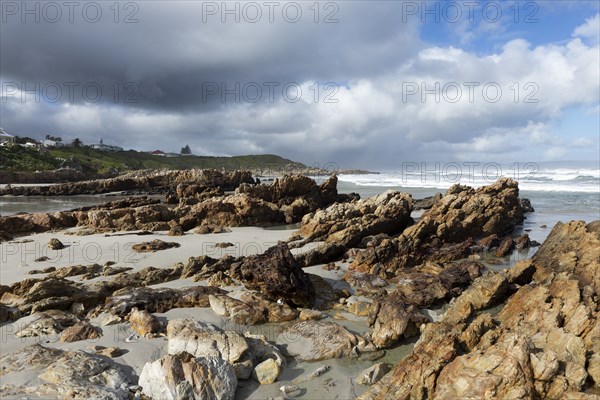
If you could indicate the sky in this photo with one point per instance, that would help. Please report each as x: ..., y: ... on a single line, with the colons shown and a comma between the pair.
x: 361, y: 84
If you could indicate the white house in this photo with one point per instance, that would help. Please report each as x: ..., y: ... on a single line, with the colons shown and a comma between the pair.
x: 6, y: 138
x: 105, y: 147
x: 52, y: 143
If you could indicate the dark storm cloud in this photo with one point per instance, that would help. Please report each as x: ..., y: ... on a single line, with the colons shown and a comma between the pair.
x: 177, y: 53
x: 161, y: 78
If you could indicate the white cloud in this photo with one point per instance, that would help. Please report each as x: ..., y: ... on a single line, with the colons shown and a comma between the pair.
x: 590, y: 29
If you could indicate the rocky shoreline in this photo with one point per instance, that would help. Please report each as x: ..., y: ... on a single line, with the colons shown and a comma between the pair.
x: 355, y: 282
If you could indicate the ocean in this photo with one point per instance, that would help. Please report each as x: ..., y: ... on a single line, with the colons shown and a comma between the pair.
x: 558, y: 192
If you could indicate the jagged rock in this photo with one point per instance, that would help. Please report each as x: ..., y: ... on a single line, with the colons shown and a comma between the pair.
x: 502, y: 371
x: 266, y: 372
x: 236, y: 210
x: 149, y: 180
x: 447, y: 231
x: 110, y: 352
x: 31, y: 295
x: 158, y: 300
x: 144, y: 323
x: 523, y: 242
x: 277, y: 275
x: 59, y: 374
x: 45, y: 323
x: 204, y: 229
x: 593, y: 368
x: 220, y: 279
x: 505, y: 248
x: 182, y: 376
x: 538, y: 346
x: 205, y: 267
x: 318, y: 340
x: 326, y: 295
x: 80, y: 331
x: 111, y: 320
x: 345, y: 225
x: 295, y: 195
x: 470, y: 337
x: 489, y: 242
x: 359, y: 308
x: 55, y: 244
x: 73, y: 270
x: 205, y: 339
x: 251, y: 309
x: 427, y: 202
x: 363, y: 280
x: 5, y: 237
x: 373, y: 374
x: 4, y: 313
x: 154, y: 245
x: 310, y: 315
x: 526, y: 205
x: 176, y: 230
x: 393, y: 319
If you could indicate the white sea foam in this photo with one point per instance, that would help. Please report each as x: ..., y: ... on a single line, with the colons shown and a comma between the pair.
x: 547, y: 180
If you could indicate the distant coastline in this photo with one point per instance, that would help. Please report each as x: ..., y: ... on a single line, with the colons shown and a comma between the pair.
x: 30, y: 165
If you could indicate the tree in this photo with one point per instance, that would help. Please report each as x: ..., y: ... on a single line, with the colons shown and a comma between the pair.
x: 186, y: 150
x: 76, y: 142
x: 55, y: 138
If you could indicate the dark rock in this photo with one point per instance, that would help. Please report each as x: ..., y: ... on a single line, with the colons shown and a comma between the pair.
x: 176, y: 230
x: 506, y: 247
x: 277, y: 274
x: 161, y: 300
x: 55, y: 244
x: 154, y: 245
x: 523, y: 242
x: 80, y: 331
x: 447, y: 231
x: 526, y: 205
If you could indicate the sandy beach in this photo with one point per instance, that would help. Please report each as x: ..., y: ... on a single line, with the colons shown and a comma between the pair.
x: 338, y: 382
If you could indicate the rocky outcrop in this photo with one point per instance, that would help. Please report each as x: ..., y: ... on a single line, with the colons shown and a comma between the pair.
x: 345, y: 225
x: 205, y: 339
x: 373, y: 374
x: 286, y: 201
x: 80, y: 331
x: 153, y: 246
x: 59, y: 374
x: 294, y: 195
x: 542, y: 344
x: 208, y: 340
x: 144, y: 323
x: 160, y: 300
x: 183, y: 376
x: 251, y: 309
x: 319, y: 340
x: 154, y: 181
x: 448, y: 230
x: 45, y: 323
x: 235, y: 210
x: 502, y: 371
x: 276, y: 274
x: 393, y: 319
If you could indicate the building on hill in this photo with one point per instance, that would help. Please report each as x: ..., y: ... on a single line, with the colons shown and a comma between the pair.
x: 6, y: 138
x: 158, y: 153
x: 105, y: 147
x: 52, y: 143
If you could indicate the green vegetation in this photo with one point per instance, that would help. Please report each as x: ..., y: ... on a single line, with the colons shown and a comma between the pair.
x: 19, y: 158
x: 92, y: 162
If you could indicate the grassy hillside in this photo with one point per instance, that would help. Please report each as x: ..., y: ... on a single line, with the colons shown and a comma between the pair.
x: 90, y: 161
x: 18, y: 158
